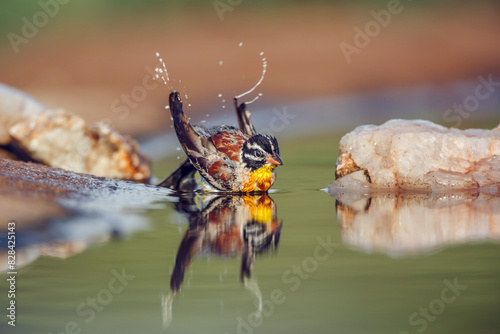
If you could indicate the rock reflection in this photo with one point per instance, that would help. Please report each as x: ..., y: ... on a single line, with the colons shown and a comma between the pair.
x: 408, y: 224
x: 228, y: 226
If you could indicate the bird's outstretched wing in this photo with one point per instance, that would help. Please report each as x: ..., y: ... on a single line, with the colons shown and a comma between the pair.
x: 201, y: 152
x: 194, y: 145
x: 244, y: 120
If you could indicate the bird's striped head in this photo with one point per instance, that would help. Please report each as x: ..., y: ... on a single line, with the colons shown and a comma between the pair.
x: 260, y: 150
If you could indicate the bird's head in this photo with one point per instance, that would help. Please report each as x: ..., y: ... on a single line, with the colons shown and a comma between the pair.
x: 260, y: 150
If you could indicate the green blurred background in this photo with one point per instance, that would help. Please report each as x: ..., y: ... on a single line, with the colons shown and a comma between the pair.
x: 90, y: 53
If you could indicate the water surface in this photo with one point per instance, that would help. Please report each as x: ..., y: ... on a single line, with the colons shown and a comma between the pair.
x: 309, y: 277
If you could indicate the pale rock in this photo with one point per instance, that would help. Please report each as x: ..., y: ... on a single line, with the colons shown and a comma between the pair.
x: 418, y: 155
x: 60, y: 139
x: 15, y: 106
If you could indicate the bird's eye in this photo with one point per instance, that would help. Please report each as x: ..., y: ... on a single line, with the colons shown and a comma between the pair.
x: 258, y: 154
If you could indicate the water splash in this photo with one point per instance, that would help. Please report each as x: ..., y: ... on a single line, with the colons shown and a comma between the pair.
x: 264, y: 69
x: 161, y: 72
x: 255, y: 99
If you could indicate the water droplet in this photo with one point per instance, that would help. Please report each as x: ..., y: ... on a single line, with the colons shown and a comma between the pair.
x: 220, y: 95
x: 223, y: 107
x: 178, y: 157
x: 189, y: 105
x: 167, y: 107
x: 223, y: 100
x: 220, y: 63
x: 264, y: 66
x: 157, y: 54
x: 208, y: 115
x: 178, y: 148
x: 241, y: 43
x: 171, y: 118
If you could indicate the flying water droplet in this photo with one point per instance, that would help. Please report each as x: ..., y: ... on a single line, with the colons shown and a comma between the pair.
x: 241, y: 43
x: 255, y: 98
x: 264, y: 70
x: 163, y: 71
x: 220, y: 63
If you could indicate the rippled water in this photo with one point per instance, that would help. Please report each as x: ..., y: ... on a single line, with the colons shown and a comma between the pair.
x: 299, y: 261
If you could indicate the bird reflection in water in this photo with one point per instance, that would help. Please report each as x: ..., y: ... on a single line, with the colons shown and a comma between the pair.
x: 227, y: 226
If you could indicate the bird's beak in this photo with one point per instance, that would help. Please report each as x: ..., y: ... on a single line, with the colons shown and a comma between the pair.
x: 275, y: 160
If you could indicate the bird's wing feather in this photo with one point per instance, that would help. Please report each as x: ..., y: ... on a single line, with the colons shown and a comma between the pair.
x: 200, y: 150
x: 244, y: 120
x: 191, y: 141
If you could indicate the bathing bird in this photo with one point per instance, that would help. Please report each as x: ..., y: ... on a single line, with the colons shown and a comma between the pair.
x: 227, y: 159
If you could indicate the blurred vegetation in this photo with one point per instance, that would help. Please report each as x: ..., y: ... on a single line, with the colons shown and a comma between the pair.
x: 104, y: 12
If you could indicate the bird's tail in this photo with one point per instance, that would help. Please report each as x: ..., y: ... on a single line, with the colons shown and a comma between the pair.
x: 182, y: 179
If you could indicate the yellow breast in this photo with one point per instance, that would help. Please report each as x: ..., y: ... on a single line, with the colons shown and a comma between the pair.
x: 260, y: 179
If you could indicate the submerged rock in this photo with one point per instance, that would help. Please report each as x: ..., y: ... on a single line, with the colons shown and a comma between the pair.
x: 60, y: 139
x: 59, y: 213
x: 418, y: 155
